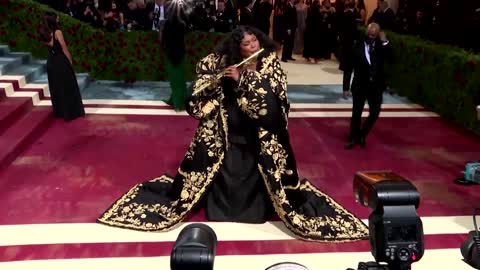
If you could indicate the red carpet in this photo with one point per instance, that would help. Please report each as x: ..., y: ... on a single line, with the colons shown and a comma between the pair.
x: 20, y: 124
x: 75, y: 170
x: 12, y: 109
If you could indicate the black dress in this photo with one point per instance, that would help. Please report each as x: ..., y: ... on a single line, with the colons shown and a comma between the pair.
x: 313, y: 39
x: 238, y: 193
x: 327, y: 33
x: 63, y: 85
x: 348, y: 34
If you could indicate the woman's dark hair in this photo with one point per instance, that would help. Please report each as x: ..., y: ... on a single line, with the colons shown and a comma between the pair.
x: 230, y: 47
x: 44, y: 33
x: 50, y: 19
x: 48, y: 27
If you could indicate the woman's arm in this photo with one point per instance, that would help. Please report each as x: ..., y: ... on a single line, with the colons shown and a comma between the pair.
x: 61, y: 40
x: 264, y: 95
x: 122, y: 20
x: 202, y: 104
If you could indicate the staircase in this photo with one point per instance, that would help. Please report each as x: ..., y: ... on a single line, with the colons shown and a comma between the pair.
x: 23, y: 86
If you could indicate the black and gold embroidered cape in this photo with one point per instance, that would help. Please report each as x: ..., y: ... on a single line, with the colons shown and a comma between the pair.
x: 162, y: 203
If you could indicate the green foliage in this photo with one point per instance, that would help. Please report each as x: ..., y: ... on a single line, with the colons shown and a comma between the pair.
x: 105, y: 55
x: 441, y: 78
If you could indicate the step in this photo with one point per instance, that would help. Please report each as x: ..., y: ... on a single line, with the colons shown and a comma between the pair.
x: 6, y: 89
x: 8, y: 63
x: 3, y: 94
x: 22, y: 133
x: 83, y: 80
x: 24, y: 56
x: 12, y: 109
x: 31, y: 71
x: 4, y: 50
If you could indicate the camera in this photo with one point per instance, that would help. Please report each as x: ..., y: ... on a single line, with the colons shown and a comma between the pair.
x: 396, y: 231
x: 195, y: 248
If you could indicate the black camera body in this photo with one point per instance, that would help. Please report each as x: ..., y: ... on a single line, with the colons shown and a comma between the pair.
x: 396, y: 235
x: 370, y: 266
x: 396, y: 231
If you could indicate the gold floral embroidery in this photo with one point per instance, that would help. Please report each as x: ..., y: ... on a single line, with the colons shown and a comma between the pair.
x: 252, y: 101
x: 207, y: 101
x: 278, y: 154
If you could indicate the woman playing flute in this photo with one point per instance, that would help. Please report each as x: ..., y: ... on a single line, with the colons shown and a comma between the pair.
x: 240, y: 166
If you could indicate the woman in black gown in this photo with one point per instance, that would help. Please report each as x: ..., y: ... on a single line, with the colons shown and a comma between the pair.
x: 239, y: 166
x: 327, y: 30
x: 62, y: 82
x: 313, y: 39
x: 278, y: 29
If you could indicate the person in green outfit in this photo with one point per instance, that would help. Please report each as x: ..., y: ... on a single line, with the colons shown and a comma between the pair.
x: 173, y: 40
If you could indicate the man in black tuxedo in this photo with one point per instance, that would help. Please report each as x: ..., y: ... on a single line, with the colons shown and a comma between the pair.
x: 221, y: 22
x: 290, y: 27
x: 246, y: 15
x: 368, y: 83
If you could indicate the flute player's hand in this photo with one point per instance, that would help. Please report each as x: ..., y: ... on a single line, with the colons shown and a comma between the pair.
x: 233, y: 73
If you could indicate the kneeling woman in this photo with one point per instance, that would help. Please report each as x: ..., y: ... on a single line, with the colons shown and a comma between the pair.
x: 239, y: 165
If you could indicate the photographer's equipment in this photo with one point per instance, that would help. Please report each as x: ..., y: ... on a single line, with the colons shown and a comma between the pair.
x: 396, y: 231
x: 471, y: 247
x: 287, y: 266
x: 194, y: 249
x: 471, y: 174
x: 370, y: 266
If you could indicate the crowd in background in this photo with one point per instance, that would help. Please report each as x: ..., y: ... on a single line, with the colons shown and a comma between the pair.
x: 145, y: 15
x: 308, y: 27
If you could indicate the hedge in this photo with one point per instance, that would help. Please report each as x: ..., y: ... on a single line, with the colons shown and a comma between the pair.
x: 105, y: 55
x: 443, y: 79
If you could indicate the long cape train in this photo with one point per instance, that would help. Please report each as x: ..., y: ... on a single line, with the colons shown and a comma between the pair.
x: 162, y: 203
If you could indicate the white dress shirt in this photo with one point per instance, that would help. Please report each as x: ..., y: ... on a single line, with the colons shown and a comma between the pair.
x: 367, y: 51
x: 161, y: 17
